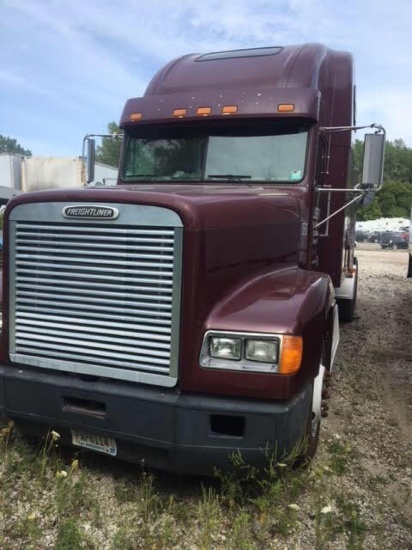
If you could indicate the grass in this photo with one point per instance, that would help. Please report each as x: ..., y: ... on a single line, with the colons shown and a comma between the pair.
x: 61, y: 506
x: 52, y: 498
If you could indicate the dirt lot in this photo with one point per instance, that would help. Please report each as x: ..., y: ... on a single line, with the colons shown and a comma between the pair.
x: 371, y: 403
x: 356, y: 495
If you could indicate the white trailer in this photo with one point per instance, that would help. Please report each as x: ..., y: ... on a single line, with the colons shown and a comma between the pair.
x: 25, y: 174
x: 383, y: 224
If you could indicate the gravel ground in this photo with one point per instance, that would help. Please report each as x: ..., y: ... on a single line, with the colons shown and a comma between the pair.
x: 371, y: 403
x: 356, y: 495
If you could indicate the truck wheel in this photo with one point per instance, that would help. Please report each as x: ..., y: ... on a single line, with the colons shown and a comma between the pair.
x: 409, y: 274
x: 312, y: 438
x: 347, y: 306
x: 394, y: 247
x: 312, y: 432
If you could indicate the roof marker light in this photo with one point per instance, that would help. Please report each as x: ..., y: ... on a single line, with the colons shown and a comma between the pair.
x: 286, y: 107
x: 135, y: 116
x: 179, y: 113
x: 204, y: 111
x: 229, y: 110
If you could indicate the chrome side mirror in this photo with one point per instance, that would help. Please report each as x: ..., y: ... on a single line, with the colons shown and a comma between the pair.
x: 91, y: 157
x: 373, y: 158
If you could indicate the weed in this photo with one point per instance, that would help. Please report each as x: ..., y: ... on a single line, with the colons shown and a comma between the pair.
x: 352, y: 523
x: 339, y: 456
x: 69, y: 536
x: 50, y: 443
x: 150, y: 500
x: 243, y: 537
x: 343, y: 517
x: 209, y: 515
x: 5, y: 434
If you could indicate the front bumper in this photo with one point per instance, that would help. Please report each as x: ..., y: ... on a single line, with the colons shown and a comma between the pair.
x: 190, y: 434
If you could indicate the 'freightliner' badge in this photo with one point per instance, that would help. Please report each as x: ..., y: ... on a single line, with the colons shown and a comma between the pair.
x: 90, y: 212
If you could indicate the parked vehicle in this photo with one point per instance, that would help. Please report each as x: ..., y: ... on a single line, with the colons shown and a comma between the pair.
x: 20, y: 174
x: 361, y: 236
x: 394, y: 240
x: 375, y: 237
x: 191, y: 313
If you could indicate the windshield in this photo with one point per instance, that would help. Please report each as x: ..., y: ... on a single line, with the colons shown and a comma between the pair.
x: 253, y: 152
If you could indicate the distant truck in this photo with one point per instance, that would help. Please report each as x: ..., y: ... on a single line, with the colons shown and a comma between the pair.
x: 191, y: 313
x: 20, y: 174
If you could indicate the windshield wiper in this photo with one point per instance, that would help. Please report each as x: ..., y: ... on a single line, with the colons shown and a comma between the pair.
x: 230, y: 177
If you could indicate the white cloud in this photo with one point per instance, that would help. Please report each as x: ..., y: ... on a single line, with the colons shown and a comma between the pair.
x: 75, y: 63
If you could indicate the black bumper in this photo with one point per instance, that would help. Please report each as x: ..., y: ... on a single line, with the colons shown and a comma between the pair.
x: 189, y: 434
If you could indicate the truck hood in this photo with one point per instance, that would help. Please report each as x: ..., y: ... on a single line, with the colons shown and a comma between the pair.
x: 199, y: 206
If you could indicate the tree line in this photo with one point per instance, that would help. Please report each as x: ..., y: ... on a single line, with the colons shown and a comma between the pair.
x: 394, y: 200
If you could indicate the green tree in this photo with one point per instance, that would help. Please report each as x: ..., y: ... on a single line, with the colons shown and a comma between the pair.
x: 398, y: 162
x: 109, y: 151
x: 357, y: 151
x: 371, y: 212
x: 395, y: 198
x: 11, y: 147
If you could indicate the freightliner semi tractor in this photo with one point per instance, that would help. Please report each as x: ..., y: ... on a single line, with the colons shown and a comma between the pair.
x: 191, y: 311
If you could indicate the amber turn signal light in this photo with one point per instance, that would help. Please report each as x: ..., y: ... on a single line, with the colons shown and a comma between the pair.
x: 286, y: 107
x: 135, y: 116
x: 229, y: 109
x: 179, y: 113
x: 204, y: 111
x: 291, y: 354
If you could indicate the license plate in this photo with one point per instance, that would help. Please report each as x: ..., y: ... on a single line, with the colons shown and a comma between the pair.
x: 94, y: 442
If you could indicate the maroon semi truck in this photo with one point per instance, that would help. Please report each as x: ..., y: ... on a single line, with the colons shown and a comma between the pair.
x: 190, y: 312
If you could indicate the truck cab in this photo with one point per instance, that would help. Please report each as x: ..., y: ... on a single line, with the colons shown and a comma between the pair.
x: 190, y: 312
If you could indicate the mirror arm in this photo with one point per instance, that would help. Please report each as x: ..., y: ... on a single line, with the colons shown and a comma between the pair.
x: 361, y: 194
x: 332, y: 129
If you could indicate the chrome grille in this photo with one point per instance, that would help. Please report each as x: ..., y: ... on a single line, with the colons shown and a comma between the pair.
x: 97, y: 298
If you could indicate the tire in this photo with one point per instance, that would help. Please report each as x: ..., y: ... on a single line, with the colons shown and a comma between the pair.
x: 310, y: 440
x: 347, y: 306
x: 309, y: 444
x: 394, y: 247
x: 409, y: 274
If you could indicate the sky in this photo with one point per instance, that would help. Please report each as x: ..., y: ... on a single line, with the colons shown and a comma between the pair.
x: 68, y: 66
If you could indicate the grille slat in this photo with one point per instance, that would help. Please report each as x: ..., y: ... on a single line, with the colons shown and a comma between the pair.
x: 54, y: 320
x: 95, y: 312
x: 69, y: 282
x: 117, y: 298
x: 99, y: 358
x: 93, y: 296
x: 81, y: 270
x: 92, y: 229
x: 158, y: 347
x: 26, y: 259
x: 82, y: 343
x: 98, y: 248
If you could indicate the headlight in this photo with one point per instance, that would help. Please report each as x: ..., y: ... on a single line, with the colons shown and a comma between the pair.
x: 265, y: 351
x: 225, y: 348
